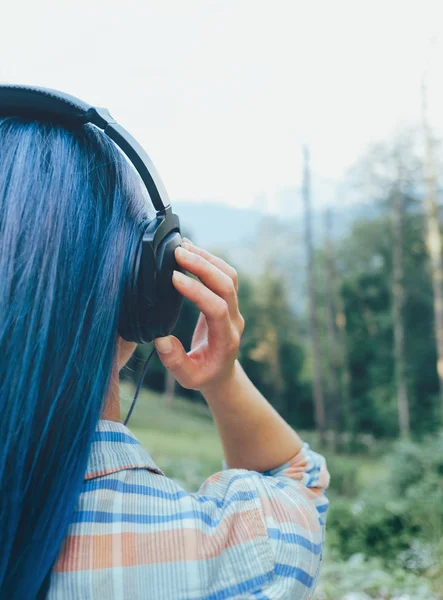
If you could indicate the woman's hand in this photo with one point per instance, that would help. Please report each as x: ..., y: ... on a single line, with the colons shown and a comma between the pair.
x: 216, y: 338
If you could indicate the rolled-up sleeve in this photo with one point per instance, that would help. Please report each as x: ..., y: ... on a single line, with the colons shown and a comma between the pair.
x: 276, y: 522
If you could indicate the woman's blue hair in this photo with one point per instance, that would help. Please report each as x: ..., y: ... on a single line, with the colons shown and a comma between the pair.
x: 70, y: 209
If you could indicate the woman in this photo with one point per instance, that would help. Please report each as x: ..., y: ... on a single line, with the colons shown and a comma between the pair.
x: 85, y: 512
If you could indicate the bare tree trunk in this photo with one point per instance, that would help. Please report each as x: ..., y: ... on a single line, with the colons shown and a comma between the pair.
x: 334, y: 360
x: 319, y: 405
x: 169, y: 392
x: 433, y: 239
x: 398, y: 302
x: 345, y: 381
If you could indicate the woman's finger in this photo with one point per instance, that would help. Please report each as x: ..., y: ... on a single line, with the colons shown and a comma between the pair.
x: 214, y: 260
x: 174, y: 357
x: 211, y: 276
x: 215, y: 308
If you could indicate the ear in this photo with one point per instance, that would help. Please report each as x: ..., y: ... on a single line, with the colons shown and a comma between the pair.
x: 124, y: 351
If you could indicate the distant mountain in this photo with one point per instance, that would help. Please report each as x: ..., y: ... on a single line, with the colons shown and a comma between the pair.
x: 222, y: 226
x: 217, y: 225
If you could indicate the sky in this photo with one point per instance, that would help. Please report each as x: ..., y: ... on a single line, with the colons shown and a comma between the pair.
x: 224, y: 93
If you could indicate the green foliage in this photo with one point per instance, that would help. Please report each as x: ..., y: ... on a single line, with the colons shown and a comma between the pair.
x: 391, y: 519
x: 384, y: 518
x: 375, y: 525
x: 361, y: 579
x: 408, y: 465
x: 344, y: 476
x: 366, y: 264
x: 417, y: 476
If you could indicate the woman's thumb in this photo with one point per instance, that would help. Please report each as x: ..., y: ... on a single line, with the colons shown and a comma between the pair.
x: 173, y: 356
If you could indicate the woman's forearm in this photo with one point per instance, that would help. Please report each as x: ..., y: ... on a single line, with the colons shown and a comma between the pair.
x: 253, y: 434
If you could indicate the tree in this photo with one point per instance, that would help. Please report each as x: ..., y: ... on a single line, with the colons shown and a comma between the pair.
x: 334, y: 358
x: 433, y: 237
x: 312, y: 299
x: 365, y: 261
x: 398, y: 303
x: 391, y: 176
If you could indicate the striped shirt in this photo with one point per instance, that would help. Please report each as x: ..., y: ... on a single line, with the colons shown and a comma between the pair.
x: 136, y: 534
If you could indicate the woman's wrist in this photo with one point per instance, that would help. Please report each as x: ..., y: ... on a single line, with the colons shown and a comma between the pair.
x: 224, y: 386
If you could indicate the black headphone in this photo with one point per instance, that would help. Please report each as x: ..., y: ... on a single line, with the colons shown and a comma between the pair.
x: 151, y: 304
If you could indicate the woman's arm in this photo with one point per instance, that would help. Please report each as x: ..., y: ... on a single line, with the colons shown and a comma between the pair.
x: 253, y: 434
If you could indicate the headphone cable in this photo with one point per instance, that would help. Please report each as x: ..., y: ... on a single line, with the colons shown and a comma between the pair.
x: 145, y: 368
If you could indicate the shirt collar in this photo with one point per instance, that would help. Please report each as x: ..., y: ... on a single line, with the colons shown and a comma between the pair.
x: 115, y: 448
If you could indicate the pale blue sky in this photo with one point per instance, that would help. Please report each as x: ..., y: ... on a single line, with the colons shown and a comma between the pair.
x: 222, y: 93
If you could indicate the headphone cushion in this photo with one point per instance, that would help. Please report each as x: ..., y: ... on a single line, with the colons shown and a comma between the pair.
x: 169, y: 300
x: 152, y: 305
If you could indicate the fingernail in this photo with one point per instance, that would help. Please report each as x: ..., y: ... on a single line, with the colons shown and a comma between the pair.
x: 186, y: 241
x: 185, y: 252
x: 164, y: 345
x: 186, y: 245
x: 180, y: 277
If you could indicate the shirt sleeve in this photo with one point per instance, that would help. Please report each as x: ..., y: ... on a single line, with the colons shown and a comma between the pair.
x: 274, y: 524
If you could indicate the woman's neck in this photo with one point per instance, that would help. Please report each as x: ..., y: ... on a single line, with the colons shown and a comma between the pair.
x: 111, y: 410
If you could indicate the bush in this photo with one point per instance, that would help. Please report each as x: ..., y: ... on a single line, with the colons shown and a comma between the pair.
x: 397, y: 520
x: 417, y: 476
x: 374, y: 526
x: 361, y: 579
x: 407, y: 465
x: 412, y: 463
x: 344, y: 476
x: 425, y: 507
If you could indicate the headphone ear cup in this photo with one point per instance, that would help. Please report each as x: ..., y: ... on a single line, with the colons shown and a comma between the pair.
x: 138, y: 299
x: 152, y: 305
x: 169, y: 300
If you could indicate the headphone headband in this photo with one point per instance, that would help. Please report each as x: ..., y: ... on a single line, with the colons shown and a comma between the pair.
x: 151, y: 304
x: 48, y: 104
